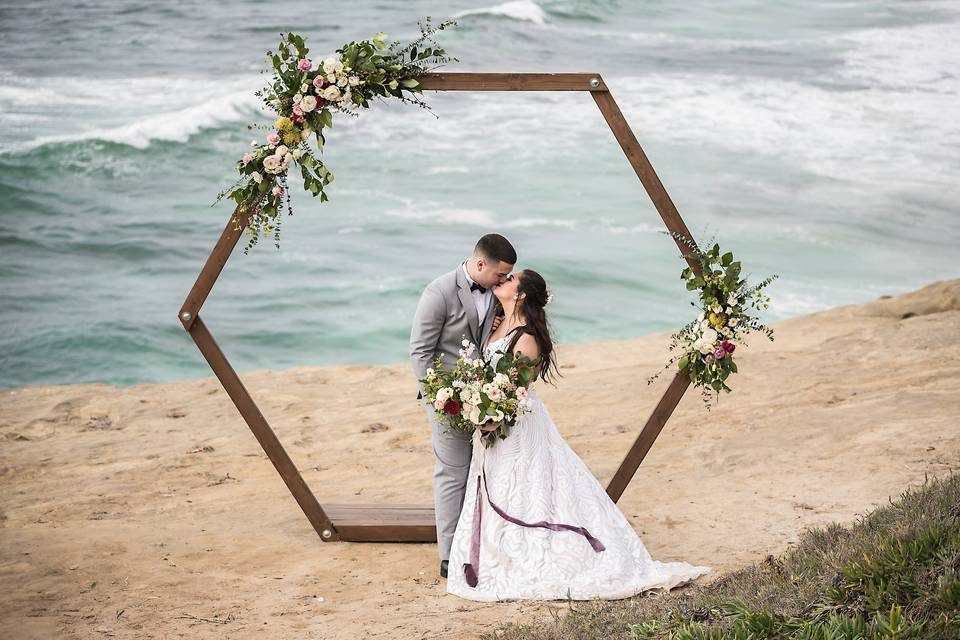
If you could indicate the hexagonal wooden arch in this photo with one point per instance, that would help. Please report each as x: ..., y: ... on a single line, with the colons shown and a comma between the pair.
x: 416, y: 523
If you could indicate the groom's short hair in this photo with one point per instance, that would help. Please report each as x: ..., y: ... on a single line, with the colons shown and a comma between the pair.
x: 494, y: 247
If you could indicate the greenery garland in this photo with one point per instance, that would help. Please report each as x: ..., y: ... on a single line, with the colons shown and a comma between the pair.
x: 703, y: 349
x: 304, y: 95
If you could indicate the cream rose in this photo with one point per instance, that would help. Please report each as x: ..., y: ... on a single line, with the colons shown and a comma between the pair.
x: 308, y: 103
x: 332, y: 93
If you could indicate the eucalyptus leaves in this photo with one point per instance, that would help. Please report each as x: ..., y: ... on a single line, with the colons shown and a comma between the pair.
x: 305, y: 94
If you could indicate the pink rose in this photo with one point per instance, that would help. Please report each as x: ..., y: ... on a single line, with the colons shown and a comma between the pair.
x: 273, y: 139
x: 247, y: 158
x: 277, y: 191
x: 304, y: 65
x: 319, y: 82
x: 719, y: 353
x: 297, y: 110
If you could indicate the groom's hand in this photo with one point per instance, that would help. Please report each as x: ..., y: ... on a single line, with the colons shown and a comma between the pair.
x: 496, y: 323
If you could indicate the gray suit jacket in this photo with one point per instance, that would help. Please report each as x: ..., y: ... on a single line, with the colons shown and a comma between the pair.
x: 445, y: 316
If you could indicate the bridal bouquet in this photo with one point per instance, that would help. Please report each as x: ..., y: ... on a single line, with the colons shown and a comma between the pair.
x: 475, y: 393
x: 305, y: 93
x: 704, y: 347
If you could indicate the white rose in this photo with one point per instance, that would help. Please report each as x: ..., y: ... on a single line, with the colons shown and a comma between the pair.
x: 256, y: 177
x: 342, y: 81
x: 297, y: 98
x: 353, y: 81
x: 305, y: 134
x: 282, y: 150
x: 331, y: 93
x: 475, y: 416
x: 338, y: 67
x: 501, y: 379
x: 330, y: 64
x: 709, y: 335
x: 308, y: 104
x: 296, y: 153
x: 347, y: 96
x: 332, y: 78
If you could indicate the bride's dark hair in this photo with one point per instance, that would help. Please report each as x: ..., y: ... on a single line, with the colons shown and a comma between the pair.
x: 531, y: 306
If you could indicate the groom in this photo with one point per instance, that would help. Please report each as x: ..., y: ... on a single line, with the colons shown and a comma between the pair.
x: 456, y: 306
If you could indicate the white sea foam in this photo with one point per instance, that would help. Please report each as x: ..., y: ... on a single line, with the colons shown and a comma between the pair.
x: 133, y: 111
x: 523, y: 10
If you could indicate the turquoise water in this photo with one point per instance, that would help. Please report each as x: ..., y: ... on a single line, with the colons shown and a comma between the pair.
x: 817, y: 140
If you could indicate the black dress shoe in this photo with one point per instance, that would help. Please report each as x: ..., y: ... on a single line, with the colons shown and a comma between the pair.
x: 443, y: 568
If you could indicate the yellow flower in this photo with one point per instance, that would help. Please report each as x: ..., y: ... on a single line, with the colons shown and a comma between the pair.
x: 718, y: 319
x: 283, y: 123
x: 291, y: 138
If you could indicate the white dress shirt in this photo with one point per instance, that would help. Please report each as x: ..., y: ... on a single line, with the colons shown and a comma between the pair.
x: 481, y: 300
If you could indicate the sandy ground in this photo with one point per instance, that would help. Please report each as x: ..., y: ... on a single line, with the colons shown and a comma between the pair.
x: 151, y: 512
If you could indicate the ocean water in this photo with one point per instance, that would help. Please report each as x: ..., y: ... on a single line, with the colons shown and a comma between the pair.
x: 817, y: 140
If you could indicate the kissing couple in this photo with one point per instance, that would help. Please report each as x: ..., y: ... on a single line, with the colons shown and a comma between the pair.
x: 524, y: 518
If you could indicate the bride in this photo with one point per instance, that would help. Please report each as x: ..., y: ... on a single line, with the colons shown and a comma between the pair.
x: 535, y: 522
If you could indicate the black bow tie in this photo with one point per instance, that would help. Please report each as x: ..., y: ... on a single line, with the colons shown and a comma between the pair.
x: 476, y: 287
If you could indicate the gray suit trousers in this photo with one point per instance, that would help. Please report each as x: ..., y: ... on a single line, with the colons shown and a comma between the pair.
x: 453, y: 450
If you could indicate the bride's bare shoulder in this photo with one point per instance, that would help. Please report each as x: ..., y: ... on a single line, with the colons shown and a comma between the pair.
x: 527, y: 345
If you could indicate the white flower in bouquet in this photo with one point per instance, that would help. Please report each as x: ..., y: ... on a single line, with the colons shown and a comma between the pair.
x: 493, y: 392
x: 342, y: 81
x: 296, y: 153
x: 305, y: 134
x: 308, y: 104
x: 701, y: 317
x: 304, y: 87
x: 501, y: 379
x: 297, y: 98
x: 703, y: 346
x: 330, y: 64
x: 256, y: 177
x: 331, y: 93
x: 521, y: 393
x: 475, y: 416
x: 353, y: 81
x: 430, y: 372
x: 716, y: 308
x: 282, y: 150
x: 458, y: 384
x: 347, y: 96
x: 709, y: 335
x: 732, y: 300
x: 733, y: 322
x: 478, y: 363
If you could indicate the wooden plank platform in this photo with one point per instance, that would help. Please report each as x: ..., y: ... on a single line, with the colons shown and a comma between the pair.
x: 383, y: 523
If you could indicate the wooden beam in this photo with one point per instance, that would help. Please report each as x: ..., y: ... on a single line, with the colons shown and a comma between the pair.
x: 210, y: 272
x: 512, y: 82
x: 644, y: 170
x: 262, y: 431
x: 636, y: 454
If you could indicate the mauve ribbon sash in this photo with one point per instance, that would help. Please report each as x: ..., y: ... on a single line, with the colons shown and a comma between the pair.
x: 471, y: 569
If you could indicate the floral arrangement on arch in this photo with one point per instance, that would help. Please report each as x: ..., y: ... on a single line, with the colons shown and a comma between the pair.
x: 305, y: 95
x: 703, y: 349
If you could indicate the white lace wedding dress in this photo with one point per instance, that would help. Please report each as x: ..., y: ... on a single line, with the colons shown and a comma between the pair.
x: 534, y: 477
